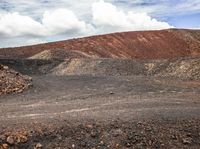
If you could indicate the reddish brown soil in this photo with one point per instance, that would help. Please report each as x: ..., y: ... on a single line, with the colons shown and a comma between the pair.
x: 141, y: 44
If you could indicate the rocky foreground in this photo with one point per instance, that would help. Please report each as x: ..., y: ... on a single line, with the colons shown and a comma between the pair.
x: 115, y: 135
x: 104, y: 112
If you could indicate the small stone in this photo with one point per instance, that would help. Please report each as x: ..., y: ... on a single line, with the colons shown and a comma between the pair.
x: 174, y: 137
x: 5, y: 67
x: 93, y: 134
x: 162, y: 144
x: 150, y: 142
x: 117, y: 132
x: 59, y: 137
x: 149, y: 129
x: 83, y: 144
x: 73, y: 146
x: 117, y: 145
x: 187, y: 141
x: 22, y: 139
x: 128, y: 144
x: 2, y: 139
x: 1, y: 67
x: 89, y: 126
x: 111, y: 93
x: 189, y: 135
x: 5, y: 146
x: 10, y: 140
x: 38, y: 146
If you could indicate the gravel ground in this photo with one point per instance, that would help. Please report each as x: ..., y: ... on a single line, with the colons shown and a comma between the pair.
x: 102, y: 112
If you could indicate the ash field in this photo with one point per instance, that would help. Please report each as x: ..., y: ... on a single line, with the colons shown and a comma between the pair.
x: 115, y: 91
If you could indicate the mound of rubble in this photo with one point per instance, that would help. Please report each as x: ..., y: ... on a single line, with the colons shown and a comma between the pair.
x: 58, y: 54
x: 111, y: 67
x: 12, y: 81
x: 185, y: 69
x: 175, y: 68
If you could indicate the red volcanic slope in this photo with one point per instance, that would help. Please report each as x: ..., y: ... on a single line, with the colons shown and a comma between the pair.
x: 141, y: 44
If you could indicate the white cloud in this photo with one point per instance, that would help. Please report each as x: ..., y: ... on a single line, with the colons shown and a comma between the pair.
x: 47, y: 20
x: 21, y: 41
x: 14, y: 24
x: 160, y: 8
x: 59, y: 21
x: 108, y: 18
x: 63, y: 21
x: 34, y: 41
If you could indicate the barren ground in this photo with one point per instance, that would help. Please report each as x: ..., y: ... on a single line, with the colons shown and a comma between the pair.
x: 116, y: 91
x: 103, y: 112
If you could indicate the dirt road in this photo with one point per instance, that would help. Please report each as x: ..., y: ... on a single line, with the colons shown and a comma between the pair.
x: 88, y: 111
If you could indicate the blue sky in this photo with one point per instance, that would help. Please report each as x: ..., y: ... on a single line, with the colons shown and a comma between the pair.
x: 25, y: 22
x: 185, y: 21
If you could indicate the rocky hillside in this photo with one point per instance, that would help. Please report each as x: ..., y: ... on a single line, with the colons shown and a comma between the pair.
x: 162, y: 44
x: 183, y: 68
x: 188, y: 68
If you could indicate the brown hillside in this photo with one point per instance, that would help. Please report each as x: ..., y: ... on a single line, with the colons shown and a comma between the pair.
x: 141, y: 44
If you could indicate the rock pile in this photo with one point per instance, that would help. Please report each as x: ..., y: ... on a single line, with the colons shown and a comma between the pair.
x: 12, y: 81
x: 12, y: 140
x: 174, y: 68
x: 58, y: 54
x: 185, y: 69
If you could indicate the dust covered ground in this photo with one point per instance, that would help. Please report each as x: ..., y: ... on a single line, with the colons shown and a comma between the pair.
x: 85, y: 111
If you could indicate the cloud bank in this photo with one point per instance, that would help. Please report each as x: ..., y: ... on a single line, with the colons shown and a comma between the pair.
x: 105, y: 18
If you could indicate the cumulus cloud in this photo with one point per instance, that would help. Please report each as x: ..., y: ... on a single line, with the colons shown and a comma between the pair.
x: 14, y: 24
x: 107, y: 18
x: 55, y: 22
x: 62, y: 21
x: 44, y: 22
